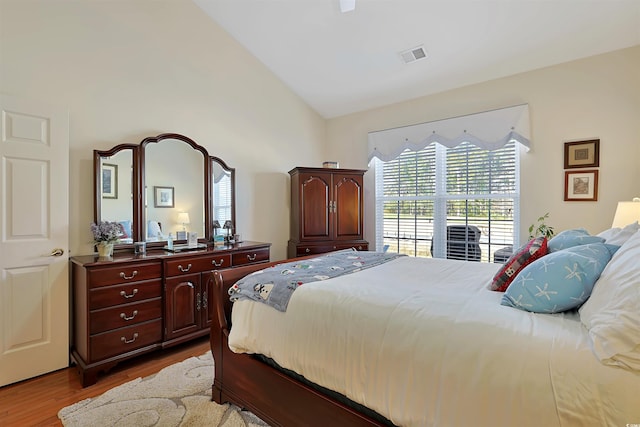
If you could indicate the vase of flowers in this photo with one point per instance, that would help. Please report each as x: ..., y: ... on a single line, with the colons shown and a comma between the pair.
x: 105, y: 234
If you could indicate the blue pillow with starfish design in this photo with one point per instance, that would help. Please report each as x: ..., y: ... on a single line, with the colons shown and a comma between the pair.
x: 559, y: 281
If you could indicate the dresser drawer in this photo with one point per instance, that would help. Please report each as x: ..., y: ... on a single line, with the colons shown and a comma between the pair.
x: 179, y: 267
x: 125, y: 340
x: 251, y: 256
x: 108, y: 296
x: 123, y: 274
x: 124, y: 315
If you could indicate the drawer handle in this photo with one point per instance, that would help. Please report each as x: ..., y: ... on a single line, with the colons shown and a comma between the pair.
x: 126, y: 341
x: 124, y: 276
x: 217, y: 264
x: 184, y: 270
x: 307, y: 250
x: 124, y: 294
x: 252, y: 258
x: 359, y: 248
x: 124, y: 316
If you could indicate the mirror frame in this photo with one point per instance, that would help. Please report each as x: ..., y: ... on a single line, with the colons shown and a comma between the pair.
x: 97, y: 186
x: 138, y: 164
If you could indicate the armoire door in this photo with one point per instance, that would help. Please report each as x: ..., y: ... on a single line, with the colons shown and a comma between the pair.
x: 347, y: 206
x: 315, y: 216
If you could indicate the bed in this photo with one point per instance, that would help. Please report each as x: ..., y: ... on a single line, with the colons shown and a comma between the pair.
x: 427, y: 342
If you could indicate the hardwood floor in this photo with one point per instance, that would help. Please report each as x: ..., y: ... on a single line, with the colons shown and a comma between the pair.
x: 36, y: 402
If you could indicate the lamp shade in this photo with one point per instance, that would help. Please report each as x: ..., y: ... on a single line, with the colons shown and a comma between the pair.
x: 626, y: 213
x: 183, y: 218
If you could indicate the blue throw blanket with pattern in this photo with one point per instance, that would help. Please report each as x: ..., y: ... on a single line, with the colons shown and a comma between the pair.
x: 275, y: 285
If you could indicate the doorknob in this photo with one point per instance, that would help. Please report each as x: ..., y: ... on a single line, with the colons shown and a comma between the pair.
x: 57, y: 252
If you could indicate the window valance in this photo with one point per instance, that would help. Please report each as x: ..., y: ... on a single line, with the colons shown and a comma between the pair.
x: 489, y: 130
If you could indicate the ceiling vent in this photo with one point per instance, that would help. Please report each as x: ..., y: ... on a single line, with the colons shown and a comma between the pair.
x: 414, y: 54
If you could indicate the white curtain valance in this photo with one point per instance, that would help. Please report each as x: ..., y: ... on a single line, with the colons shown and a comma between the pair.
x: 489, y: 130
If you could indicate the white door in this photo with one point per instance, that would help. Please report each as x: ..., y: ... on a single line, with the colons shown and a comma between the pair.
x: 34, y: 239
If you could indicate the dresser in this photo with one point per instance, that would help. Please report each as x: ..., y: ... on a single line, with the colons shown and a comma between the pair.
x: 129, y: 305
x: 326, y: 210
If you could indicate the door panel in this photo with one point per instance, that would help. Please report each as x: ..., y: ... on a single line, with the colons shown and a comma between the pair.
x: 181, y: 314
x: 314, y: 203
x: 34, y: 288
x: 348, y: 198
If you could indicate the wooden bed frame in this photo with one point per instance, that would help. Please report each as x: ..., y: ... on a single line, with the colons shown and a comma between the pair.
x: 252, y: 384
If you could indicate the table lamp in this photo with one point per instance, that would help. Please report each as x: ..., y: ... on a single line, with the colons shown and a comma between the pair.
x: 627, y: 213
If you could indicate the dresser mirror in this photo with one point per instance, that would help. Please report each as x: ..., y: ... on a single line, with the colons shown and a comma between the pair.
x: 168, y: 184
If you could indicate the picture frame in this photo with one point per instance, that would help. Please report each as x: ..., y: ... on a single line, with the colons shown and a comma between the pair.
x: 582, y: 154
x: 109, y: 181
x: 581, y: 185
x: 163, y: 197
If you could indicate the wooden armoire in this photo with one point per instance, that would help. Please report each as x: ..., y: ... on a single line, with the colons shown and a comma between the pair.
x: 326, y: 210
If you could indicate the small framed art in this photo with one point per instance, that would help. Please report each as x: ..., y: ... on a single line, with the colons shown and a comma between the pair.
x: 582, y: 154
x: 163, y: 197
x: 109, y: 181
x: 581, y: 185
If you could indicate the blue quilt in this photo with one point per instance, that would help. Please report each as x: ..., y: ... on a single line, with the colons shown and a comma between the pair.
x: 275, y: 285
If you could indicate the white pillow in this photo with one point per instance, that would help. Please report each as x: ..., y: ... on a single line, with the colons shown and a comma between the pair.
x: 609, y: 233
x: 612, y: 313
x: 623, y: 235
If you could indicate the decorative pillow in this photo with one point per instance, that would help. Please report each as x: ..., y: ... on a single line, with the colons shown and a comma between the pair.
x: 153, y: 229
x: 559, y: 281
x: 126, y: 228
x: 623, y: 235
x: 612, y: 314
x: 525, y: 255
x: 570, y: 238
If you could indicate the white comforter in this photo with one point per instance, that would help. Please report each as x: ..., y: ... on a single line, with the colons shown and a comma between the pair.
x: 423, y: 342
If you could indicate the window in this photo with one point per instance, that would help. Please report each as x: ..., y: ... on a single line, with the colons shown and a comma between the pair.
x: 421, y: 196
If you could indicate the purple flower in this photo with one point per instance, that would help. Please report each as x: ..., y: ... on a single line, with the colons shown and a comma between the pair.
x: 106, y: 231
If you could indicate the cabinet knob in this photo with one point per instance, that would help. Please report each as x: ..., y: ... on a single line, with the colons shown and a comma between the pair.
x: 307, y: 250
x: 124, y: 276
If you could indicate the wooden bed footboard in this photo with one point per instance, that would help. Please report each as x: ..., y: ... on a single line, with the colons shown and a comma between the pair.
x: 271, y: 394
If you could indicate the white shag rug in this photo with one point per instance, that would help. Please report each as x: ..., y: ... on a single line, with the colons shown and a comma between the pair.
x: 178, y: 395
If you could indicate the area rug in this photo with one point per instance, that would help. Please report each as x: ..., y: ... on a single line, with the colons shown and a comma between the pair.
x: 178, y: 395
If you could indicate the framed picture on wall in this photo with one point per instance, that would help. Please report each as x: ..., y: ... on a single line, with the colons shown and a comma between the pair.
x: 581, y: 185
x: 163, y: 197
x: 582, y: 154
x: 109, y: 181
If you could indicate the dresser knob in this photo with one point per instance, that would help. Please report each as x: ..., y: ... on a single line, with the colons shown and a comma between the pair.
x: 184, y: 270
x: 125, y: 317
x: 307, y: 250
x: 124, y: 276
x: 124, y: 294
x: 126, y: 341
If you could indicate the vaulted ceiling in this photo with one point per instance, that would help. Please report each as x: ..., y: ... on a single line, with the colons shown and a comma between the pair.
x: 341, y: 63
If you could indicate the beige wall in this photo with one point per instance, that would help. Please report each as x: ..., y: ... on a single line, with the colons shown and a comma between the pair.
x: 136, y: 68
x: 597, y: 97
x: 131, y: 69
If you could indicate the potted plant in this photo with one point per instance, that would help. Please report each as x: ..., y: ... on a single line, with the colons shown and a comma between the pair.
x: 541, y: 229
x: 105, y: 234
